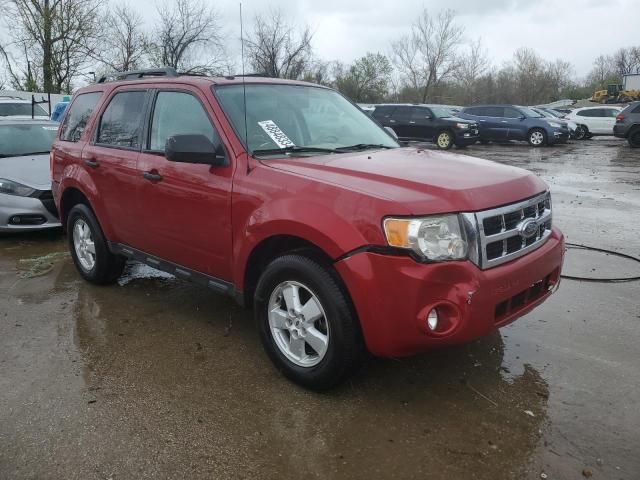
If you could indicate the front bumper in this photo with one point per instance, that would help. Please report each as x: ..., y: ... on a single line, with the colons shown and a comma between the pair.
x: 466, y: 137
x: 559, y: 135
x: 30, y: 209
x: 394, y: 294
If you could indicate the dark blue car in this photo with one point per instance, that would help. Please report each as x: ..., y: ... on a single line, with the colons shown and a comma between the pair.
x: 512, y: 122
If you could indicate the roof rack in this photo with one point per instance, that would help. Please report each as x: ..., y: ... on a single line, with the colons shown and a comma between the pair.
x: 139, y: 74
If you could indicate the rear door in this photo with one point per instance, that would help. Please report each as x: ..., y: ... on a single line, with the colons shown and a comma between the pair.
x: 609, y: 120
x: 399, y: 121
x: 496, y: 124
x: 184, y: 208
x: 111, y: 156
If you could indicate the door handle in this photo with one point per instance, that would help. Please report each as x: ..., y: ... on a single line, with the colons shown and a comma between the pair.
x: 153, y: 177
x: 392, y: 121
x: 412, y: 122
x: 91, y: 162
x: 504, y: 121
x: 483, y: 120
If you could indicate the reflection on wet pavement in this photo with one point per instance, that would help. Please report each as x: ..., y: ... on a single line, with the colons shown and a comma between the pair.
x: 155, y: 377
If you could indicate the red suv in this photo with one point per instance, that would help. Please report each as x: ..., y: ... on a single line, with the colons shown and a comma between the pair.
x: 289, y: 198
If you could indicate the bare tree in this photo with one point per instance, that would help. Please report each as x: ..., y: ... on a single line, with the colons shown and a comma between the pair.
x: 473, y: 65
x: 123, y: 42
x: 56, y: 35
x: 429, y: 55
x: 276, y: 50
x: 626, y: 61
x: 188, y: 38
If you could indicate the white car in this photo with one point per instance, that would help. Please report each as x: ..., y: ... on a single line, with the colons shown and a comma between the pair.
x: 15, y: 107
x: 593, y: 121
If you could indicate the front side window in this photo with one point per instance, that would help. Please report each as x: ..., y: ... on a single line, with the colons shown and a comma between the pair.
x: 21, y: 110
x: 512, y: 113
x: 421, y: 114
x: 178, y: 113
x: 76, y: 119
x: 286, y: 116
x: 121, y: 122
x: 529, y: 112
x: 17, y: 140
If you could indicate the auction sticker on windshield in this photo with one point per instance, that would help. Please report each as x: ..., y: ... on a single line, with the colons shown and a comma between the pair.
x: 278, y: 136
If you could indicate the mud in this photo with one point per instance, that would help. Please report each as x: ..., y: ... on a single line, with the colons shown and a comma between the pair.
x: 157, y: 378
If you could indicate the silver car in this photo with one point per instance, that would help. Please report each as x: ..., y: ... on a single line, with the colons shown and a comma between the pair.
x: 26, y: 202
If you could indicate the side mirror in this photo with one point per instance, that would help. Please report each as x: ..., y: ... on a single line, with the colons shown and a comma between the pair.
x: 522, y: 117
x: 391, y: 132
x: 194, y: 149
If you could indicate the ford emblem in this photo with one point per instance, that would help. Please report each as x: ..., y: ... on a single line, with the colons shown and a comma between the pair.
x: 528, y: 228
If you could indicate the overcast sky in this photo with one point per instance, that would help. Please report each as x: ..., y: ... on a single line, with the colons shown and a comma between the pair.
x: 574, y: 30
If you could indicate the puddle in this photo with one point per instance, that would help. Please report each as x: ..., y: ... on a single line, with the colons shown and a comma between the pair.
x: 39, y: 266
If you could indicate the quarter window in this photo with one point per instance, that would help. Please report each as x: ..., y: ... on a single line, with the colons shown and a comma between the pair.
x: 178, y: 113
x: 76, y: 119
x: 121, y: 122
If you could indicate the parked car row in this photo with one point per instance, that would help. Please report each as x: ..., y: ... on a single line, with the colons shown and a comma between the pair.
x: 447, y: 126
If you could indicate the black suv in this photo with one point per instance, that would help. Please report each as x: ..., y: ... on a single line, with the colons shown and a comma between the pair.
x: 628, y: 124
x: 433, y: 123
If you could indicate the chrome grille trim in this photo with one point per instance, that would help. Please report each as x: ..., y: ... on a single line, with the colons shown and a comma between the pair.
x: 513, y: 245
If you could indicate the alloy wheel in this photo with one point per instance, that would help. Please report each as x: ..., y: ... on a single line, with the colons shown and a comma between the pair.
x: 84, y: 245
x: 444, y: 140
x: 537, y: 138
x: 298, y: 324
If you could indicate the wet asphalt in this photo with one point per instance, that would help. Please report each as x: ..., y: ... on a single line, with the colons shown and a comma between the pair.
x: 157, y: 378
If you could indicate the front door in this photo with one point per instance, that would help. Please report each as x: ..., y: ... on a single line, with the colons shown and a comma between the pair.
x: 185, y: 207
x: 421, y: 125
x: 516, y: 126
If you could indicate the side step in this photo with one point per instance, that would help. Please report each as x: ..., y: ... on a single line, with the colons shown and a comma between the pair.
x: 217, y: 285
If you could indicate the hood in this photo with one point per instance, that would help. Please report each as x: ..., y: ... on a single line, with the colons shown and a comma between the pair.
x: 422, y: 181
x: 31, y: 170
x: 455, y: 118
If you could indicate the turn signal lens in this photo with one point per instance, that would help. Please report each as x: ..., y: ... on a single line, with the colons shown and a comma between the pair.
x: 432, y: 319
x: 397, y: 232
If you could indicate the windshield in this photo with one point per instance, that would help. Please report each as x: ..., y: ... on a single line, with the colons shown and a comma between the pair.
x: 528, y: 112
x: 543, y: 113
x: 298, y: 117
x: 18, y: 140
x: 21, y: 109
x: 445, y: 111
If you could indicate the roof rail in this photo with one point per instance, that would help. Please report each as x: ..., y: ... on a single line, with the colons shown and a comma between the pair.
x: 139, y: 74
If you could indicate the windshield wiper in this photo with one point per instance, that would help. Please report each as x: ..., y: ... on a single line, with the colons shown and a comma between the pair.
x: 294, y: 149
x: 362, y: 146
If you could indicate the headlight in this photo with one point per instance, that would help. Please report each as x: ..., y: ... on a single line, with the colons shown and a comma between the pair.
x: 554, y: 124
x: 435, y: 238
x: 463, y: 126
x: 13, y: 188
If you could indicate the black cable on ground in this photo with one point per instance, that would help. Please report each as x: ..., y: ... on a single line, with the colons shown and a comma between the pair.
x: 602, y: 280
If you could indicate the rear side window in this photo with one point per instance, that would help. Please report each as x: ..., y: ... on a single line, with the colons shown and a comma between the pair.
x: 383, y: 112
x: 403, y: 114
x: 178, y: 113
x: 589, y: 113
x: 76, y: 119
x: 121, y: 123
x: 637, y: 109
x: 611, y: 112
x: 21, y: 109
x: 493, y: 111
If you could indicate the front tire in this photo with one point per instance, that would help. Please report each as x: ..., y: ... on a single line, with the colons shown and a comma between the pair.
x: 537, y: 137
x: 306, y: 322
x: 444, y: 140
x: 581, y: 132
x: 89, y: 249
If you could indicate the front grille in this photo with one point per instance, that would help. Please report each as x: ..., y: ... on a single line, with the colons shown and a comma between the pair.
x: 502, y: 234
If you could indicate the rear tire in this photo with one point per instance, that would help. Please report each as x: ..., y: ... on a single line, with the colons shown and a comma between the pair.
x: 581, y: 132
x: 444, y: 140
x: 89, y: 249
x: 537, y: 137
x: 634, y: 138
x: 299, y: 300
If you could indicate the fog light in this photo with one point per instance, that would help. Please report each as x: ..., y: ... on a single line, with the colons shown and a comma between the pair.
x: 432, y: 319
